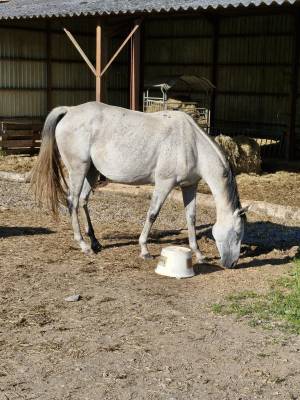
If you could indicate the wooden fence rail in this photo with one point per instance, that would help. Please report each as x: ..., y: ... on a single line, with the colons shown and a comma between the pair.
x: 19, y: 137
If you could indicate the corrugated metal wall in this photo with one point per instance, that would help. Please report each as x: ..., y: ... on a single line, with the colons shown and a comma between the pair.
x: 298, y: 112
x: 177, y: 46
x: 72, y: 81
x: 23, y: 68
x: 253, y: 76
x: 254, y: 66
x: 117, y: 76
x: 22, y: 73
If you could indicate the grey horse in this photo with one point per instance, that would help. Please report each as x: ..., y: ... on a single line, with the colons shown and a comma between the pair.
x: 165, y: 148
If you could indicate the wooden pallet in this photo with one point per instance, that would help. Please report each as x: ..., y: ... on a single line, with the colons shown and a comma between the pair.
x: 20, y: 137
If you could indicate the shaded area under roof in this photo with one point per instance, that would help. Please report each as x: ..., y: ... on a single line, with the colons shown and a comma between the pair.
x: 69, y: 8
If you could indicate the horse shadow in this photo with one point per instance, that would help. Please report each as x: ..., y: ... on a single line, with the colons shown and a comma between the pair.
x: 12, y: 231
x: 260, y: 239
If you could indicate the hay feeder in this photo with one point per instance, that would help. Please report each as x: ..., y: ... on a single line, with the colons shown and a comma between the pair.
x: 188, y: 93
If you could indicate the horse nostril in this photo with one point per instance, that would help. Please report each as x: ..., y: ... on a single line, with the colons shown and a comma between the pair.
x: 233, y: 264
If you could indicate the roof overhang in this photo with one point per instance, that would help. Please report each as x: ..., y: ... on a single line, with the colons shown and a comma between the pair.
x: 16, y: 9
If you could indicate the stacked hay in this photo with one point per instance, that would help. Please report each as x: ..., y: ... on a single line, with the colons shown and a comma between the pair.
x: 178, y: 105
x: 242, y: 152
x: 173, y: 104
x: 154, y: 107
x: 189, y: 108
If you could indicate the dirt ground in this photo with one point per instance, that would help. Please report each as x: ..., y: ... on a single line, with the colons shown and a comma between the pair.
x: 134, y: 334
x: 280, y: 187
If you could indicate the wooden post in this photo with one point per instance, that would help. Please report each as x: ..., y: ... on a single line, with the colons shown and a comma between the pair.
x: 135, y: 61
x: 49, y: 67
x: 290, y: 148
x: 214, y: 71
x: 101, y: 57
x: 142, y: 65
x: 98, y: 61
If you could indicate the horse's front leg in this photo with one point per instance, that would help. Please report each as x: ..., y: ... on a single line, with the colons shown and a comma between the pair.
x: 189, y: 200
x: 160, y: 193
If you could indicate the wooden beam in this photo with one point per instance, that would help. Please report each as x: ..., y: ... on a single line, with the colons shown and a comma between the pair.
x: 98, y: 61
x: 80, y: 51
x: 135, y: 61
x: 136, y: 27
x: 142, y: 65
x: 290, y: 148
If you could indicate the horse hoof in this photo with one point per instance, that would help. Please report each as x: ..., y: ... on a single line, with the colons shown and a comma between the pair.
x: 86, y: 249
x: 96, y: 246
x: 146, y: 256
x: 201, y: 259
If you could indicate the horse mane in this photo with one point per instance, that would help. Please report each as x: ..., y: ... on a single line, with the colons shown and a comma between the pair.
x: 234, y: 197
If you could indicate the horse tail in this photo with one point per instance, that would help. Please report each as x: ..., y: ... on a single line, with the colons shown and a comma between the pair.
x: 47, y: 178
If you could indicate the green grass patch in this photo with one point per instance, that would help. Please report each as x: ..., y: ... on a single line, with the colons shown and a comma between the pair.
x: 280, y: 307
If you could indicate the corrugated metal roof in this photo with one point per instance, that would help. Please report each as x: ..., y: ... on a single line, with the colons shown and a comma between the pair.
x: 69, y: 8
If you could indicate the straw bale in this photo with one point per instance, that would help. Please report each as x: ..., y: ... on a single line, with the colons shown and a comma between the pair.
x: 242, y: 152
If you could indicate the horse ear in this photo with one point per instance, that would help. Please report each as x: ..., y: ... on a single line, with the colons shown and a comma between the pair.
x: 242, y: 211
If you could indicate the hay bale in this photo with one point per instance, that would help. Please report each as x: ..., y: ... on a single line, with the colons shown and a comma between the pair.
x: 173, y: 104
x: 188, y: 108
x: 154, y: 107
x: 191, y: 110
x: 242, y: 152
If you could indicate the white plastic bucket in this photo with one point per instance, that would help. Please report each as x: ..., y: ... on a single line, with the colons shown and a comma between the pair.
x: 176, y: 262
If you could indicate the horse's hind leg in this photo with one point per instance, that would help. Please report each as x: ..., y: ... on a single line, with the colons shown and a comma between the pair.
x: 88, y: 185
x: 189, y: 200
x: 160, y: 193
x: 77, y: 177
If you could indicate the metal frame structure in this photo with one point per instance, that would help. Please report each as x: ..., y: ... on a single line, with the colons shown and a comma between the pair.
x: 194, y: 107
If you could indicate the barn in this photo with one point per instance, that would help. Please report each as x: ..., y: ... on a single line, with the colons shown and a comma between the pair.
x: 72, y: 51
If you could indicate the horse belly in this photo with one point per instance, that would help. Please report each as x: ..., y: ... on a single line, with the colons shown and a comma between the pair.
x: 131, y: 167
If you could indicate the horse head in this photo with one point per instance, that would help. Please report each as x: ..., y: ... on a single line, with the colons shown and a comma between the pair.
x: 229, y: 235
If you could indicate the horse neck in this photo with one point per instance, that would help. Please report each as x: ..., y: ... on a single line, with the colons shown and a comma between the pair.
x: 219, y: 181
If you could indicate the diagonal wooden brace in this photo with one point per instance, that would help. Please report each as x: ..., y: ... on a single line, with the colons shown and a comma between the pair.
x: 97, y: 71
x: 80, y: 51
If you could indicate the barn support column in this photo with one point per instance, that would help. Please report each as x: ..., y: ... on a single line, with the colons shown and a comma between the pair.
x: 135, y: 63
x: 214, y: 70
x: 290, y: 148
x: 98, y: 62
